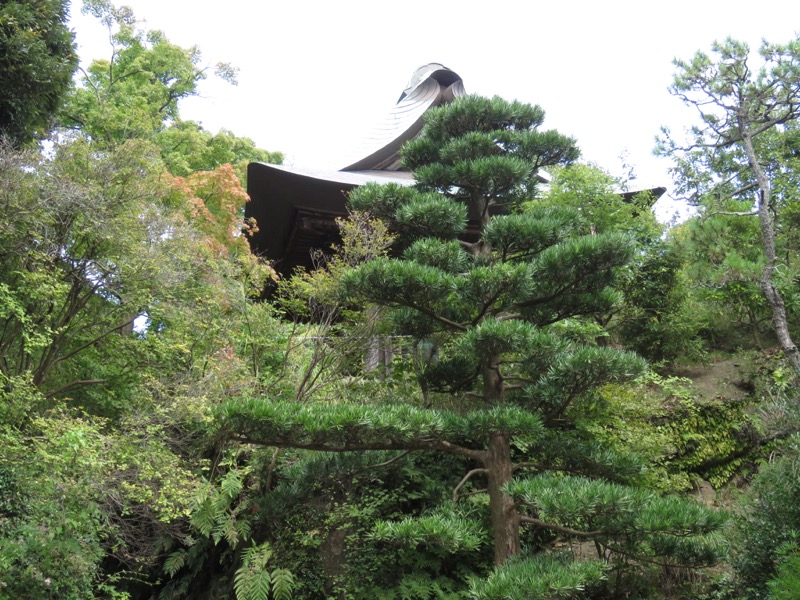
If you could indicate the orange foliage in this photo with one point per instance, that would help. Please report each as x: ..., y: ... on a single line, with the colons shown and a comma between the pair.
x: 212, y: 201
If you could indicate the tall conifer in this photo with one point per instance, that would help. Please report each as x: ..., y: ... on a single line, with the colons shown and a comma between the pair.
x: 492, y: 292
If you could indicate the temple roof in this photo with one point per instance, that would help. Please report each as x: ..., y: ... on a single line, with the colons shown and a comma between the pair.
x: 295, y: 208
x: 431, y: 85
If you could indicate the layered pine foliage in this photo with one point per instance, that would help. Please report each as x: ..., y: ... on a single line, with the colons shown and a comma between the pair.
x: 449, y: 407
x: 479, y: 277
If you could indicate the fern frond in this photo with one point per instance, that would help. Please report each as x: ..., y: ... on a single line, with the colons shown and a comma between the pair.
x: 254, y: 582
x: 282, y: 584
x: 175, y: 562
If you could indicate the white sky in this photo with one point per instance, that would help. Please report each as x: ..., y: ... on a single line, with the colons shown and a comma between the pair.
x: 315, y: 75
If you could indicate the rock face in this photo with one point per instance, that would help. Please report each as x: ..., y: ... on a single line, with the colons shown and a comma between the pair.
x: 705, y: 492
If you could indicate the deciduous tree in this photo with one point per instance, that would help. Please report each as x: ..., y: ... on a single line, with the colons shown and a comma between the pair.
x: 136, y: 94
x: 93, y: 240
x: 37, y: 60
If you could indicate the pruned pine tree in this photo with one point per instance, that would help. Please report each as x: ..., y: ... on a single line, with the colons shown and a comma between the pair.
x: 490, y: 291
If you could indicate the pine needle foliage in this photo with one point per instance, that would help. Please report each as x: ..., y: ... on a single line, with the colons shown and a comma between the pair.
x: 629, y: 521
x: 348, y: 427
x: 445, y: 531
x: 481, y: 278
x: 539, y: 578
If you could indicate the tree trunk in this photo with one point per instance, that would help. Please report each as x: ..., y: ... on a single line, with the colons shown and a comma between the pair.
x: 499, y: 468
x: 333, y: 556
x: 768, y: 289
x: 505, y: 518
x: 771, y: 293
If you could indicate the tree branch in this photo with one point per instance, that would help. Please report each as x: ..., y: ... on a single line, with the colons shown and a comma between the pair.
x: 524, y: 465
x: 350, y: 446
x: 510, y: 316
x: 94, y: 341
x: 560, y: 528
x: 730, y: 213
x: 74, y: 384
x: 273, y: 463
x: 466, y: 478
x: 385, y: 463
x: 439, y: 318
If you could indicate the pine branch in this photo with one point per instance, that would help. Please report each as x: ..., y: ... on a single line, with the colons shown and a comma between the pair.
x: 433, y: 315
x: 465, y: 479
x: 349, y: 446
x: 560, y: 528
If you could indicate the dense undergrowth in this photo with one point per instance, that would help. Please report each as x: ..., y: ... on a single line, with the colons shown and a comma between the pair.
x: 165, y: 433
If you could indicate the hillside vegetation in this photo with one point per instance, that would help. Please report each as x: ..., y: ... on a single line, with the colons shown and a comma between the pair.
x: 575, y: 403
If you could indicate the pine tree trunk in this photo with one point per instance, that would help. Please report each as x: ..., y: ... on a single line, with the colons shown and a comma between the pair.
x: 768, y: 289
x: 771, y: 293
x: 505, y: 518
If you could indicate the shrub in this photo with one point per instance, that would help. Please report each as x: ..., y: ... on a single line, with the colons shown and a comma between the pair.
x: 768, y: 518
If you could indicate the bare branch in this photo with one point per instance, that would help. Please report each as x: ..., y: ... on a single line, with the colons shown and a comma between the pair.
x: 439, y: 318
x: 730, y: 213
x: 385, y: 463
x: 94, y: 341
x: 465, y: 479
x: 560, y: 528
x: 355, y: 446
x: 509, y: 316
x: 475, y: 492
x: 525, y: 465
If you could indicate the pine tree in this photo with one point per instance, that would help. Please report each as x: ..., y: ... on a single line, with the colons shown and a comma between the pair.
x: 492, y: 293
x: 742, y: 153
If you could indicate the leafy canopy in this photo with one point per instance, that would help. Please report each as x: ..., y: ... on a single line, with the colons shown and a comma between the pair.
x: 37, y: 60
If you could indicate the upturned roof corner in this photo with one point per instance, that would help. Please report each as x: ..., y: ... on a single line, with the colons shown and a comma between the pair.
x: 296, y: 208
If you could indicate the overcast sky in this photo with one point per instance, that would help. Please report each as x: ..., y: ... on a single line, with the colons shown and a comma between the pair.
x: 315, y: 75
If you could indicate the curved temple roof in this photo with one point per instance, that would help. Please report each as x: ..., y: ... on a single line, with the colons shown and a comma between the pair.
x: 431, y: 85
x: 295, y: 209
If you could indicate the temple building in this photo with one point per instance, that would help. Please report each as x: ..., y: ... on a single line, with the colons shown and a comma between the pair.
x: 296, y: 209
